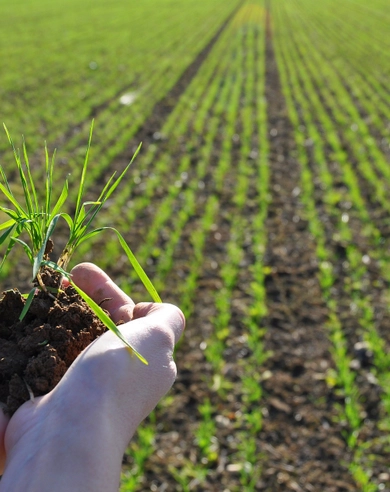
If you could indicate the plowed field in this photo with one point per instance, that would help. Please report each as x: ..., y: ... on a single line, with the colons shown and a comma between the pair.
x: 260, y: 205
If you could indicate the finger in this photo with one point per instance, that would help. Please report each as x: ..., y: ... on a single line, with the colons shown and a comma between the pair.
x: 165, y: 314
x: 98, y: 285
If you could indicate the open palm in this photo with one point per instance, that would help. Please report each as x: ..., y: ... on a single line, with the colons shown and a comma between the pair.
x: 74, y: 437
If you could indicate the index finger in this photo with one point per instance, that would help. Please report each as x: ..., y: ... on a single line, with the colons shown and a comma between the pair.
x: 99, y: 286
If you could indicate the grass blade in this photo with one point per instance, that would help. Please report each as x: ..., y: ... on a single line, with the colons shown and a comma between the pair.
x: 68, y: 220
x: 83, y: 174
x: 104, y: 318
x: 13, y: 200
x: 61, y: 199
x: 34, y: 202
x: 11, y: 213
x: 23, y: 180
x: 49, y: 180
x: 11, y: 224
x: 57, y: 268
x: 91, y: 234
x: 26, y: 248
x: 119, y: 179
x: 27, y: 305
x: 41, y: 253
x: 133, y: 260
x: 108, y: 190
x: 8, y: 251
x: 5, y: 179
x: 137, y: 267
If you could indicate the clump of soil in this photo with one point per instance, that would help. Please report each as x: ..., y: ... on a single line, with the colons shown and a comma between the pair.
x: 36, y: 352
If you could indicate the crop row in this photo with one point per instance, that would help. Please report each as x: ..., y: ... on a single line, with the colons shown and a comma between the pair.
x: 229, y: 167
x: 210, y: 99
x: 336, y: 169
x: 362, y: 75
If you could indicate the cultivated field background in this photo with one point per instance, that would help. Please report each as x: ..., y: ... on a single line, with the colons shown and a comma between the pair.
x: 260, y: 204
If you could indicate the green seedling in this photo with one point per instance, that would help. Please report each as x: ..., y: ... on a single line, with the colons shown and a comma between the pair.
x: 37, y: 218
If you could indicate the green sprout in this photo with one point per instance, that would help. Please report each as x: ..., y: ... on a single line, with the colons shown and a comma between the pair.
x: 37, y: 218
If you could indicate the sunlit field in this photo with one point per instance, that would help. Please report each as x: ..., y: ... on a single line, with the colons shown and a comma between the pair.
x: 259, y: 203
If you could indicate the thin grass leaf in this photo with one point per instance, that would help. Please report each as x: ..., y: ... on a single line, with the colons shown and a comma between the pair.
x: 10, y: 246
x: 68, y: 220
x: 109, y: 189
x: 9, y: 223
x: 41, y: 253
x: 30, y: 178
x: 133, y: 260
x: 84, y: 212
x: 79, y: 218
x: 61, y: 199
x: 80, y: 226
x: 91, y: 234
x: 17, y: 158
x: 119, y: 179
x: 137, y: 267
x: 6, y: 254
x: 6, y: 234
x: 54, y: 266
x: 16, y: 231
x: 104, y: 318
x: 11, y: 213
x: 83, y: 218
x: 106, y: 186
x: 23, y: 180
x: 57, y: 268
x: 36, y: 230
x: 26, y: 248
x: 83, y: 173
x: 5, y: 179
x: 48, y: 181
x: 13, y: 200
x: 27, y: 305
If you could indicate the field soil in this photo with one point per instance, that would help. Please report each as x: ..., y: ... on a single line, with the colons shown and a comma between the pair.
x: 36, y: 352
x: 302, y: 442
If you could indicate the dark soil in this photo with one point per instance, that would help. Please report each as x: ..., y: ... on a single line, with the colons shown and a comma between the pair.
x: 35, y: 353
x: 301, y: 438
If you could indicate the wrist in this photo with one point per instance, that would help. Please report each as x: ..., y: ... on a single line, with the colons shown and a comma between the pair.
x: 61, y: 448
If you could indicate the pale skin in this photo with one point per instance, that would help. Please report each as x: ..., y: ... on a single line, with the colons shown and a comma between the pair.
x: 73, y: 438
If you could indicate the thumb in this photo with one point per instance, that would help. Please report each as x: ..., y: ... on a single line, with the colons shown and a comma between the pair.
x: 164, y: 314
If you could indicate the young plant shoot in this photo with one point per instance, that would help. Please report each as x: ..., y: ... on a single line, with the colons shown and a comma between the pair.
x: 36, y: 218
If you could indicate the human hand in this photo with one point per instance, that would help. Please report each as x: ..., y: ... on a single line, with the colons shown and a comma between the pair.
x: 74, y: 437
